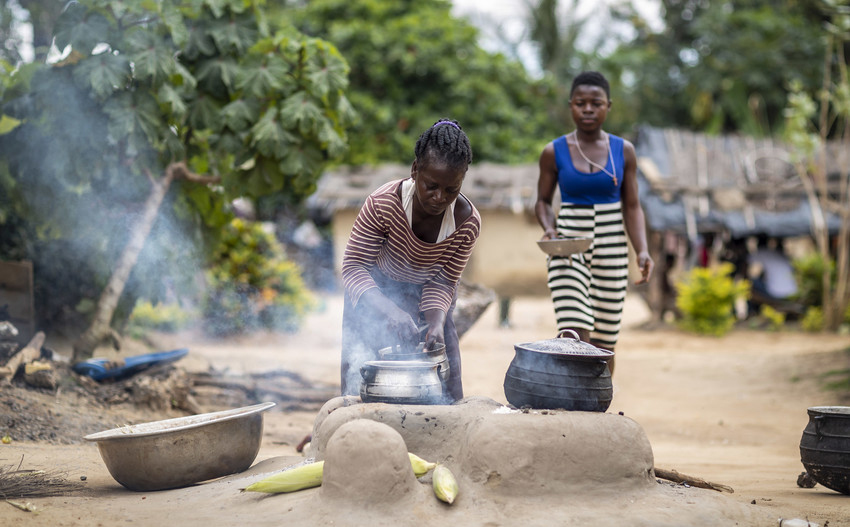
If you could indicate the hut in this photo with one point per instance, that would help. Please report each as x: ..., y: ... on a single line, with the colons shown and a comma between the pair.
x: 704, y: 194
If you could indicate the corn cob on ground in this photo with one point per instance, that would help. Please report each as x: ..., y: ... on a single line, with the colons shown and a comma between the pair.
x: 444, y: 483
x: 310, y: 475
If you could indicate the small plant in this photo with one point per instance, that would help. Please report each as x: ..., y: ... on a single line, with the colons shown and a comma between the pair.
x: 706, y: 298
x: 813, y: 319
x: 808, y: 271
x: 774, y: 318
x: 252, y: 285
x: 161, y: 317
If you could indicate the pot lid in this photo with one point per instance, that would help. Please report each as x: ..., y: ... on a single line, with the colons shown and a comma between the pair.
x: 568, y: 345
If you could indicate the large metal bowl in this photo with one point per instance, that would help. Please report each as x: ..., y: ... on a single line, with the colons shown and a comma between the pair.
x: 179, y: 452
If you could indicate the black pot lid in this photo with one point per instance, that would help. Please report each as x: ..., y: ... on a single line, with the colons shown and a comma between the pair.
x: 569, y: 346
x: 832, y: 411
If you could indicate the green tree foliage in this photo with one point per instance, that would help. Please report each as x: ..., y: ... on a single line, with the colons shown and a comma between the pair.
x: 204, y: 89
x: 721, y: 66
x: 412, y: 63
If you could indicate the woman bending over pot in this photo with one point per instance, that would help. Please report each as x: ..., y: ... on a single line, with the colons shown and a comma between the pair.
x: 404, y: 258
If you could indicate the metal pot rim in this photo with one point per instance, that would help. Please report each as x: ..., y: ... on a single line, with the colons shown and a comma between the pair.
x: 400, y: 364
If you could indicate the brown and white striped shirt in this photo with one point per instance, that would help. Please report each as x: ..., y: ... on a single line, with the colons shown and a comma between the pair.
x: 382, y: 236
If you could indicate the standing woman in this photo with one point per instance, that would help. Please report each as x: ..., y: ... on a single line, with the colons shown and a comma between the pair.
x: 404, y: 258
x: 596, y: 174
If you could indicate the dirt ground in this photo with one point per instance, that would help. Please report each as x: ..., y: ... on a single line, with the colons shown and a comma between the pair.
x: 729, y: 410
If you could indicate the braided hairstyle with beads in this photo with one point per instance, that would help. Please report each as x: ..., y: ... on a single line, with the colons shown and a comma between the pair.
x: 444, y: 142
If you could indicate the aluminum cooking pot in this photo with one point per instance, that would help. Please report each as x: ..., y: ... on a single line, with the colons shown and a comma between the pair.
x: 401, y: 382
x: 436, y: 355
x: 563, y: 372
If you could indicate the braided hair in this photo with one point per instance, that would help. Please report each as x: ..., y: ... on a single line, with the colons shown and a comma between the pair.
x: 444, y: 142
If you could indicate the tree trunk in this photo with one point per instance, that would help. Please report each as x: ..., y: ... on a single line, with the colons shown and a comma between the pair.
x: 100, y: 327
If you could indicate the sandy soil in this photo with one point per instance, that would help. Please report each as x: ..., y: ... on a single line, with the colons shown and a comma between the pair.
x: 730, y: 410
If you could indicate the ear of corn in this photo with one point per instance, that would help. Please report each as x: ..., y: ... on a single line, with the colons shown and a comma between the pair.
x: 420, y: 466
x: 445, y: 484
x: 310, y: 475
x: 303, y: 477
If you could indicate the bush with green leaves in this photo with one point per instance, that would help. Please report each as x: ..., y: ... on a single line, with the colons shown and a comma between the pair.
x: 808, y: 270
x: 252, y: 285
x: 774, y: 318
x: 812, y: 319
x: 706, y: 298
x: 147, y: 315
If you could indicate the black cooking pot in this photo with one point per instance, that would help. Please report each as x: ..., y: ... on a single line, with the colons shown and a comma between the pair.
x: 825, y: 447
x: 563, y: 372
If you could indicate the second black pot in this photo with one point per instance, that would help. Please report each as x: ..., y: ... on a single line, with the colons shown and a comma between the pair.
x: 562, y: 373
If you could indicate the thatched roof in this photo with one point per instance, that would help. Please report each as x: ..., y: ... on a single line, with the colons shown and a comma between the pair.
x: 692, y: 182
x: 488, y: 186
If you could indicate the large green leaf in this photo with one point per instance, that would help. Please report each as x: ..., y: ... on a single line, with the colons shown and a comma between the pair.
x: 239, y: 114
x: 327, y: 70
x: 122, y: 120
x: 231, y: 36
x: 268, y: 136
x: 264, y: 75
x: 148, y: 116
x: 204, y: 113
x: 218, y: 72
x: 152, y: 59
x: 331, y: 140
x: 171, y: 99
x: 174, y: 21
x: 183, y: 77
x: 301, y: 111
x: 303, y: 158
x: 199, y: 42
x: 103, y: 73
x: 80, y: 28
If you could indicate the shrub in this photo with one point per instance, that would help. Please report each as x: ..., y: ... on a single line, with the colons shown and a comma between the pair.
x: 774, y: 318
x: 706, y: 298
x: 161, y: 317
x: 808, y: 271
x: 812, y: 319
x: 252, y: 285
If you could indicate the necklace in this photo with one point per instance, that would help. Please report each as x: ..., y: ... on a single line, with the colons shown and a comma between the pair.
x: 592, y: 164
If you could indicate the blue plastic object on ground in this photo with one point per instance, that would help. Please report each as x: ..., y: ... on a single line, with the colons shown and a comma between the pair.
x: 100, y: 369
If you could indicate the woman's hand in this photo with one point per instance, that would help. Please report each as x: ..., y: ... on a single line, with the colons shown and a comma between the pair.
x: 550, y: 234
x: 436, y: 320
x: 400, y: 325
x: 646, y: 265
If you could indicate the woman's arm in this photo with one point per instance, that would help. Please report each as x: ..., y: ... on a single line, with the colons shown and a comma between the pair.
x: 437, y: 294
x: 633, y: 213
x: 361, y: 252
x: 546, y: 191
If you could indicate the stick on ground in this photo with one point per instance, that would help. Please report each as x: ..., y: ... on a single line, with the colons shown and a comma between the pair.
x: 675, y: 477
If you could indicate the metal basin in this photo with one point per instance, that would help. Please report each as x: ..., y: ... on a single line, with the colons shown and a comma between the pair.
x: 179, y: 452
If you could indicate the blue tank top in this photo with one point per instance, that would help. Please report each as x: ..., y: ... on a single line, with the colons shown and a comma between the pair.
x: 589, y: 188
